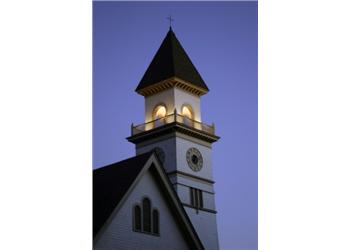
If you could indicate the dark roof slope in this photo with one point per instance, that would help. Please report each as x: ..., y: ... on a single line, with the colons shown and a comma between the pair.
x: 171, y: 60
x: 110, y: 183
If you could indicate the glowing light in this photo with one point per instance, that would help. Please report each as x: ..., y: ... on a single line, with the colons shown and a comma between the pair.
x: 186, y: 111
x: 160, y: 112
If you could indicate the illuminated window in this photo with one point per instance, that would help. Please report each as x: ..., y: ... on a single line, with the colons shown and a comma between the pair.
x: 159, y: 112
x: 187, y: 112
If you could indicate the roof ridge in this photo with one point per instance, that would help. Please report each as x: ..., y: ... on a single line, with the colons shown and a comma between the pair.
x: 171, y: 34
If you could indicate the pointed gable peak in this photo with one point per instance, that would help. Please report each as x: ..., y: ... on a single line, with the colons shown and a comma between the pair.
x: 171, y: 66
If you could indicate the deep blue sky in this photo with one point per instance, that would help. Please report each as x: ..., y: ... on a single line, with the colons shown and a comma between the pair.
x: 221, y: 40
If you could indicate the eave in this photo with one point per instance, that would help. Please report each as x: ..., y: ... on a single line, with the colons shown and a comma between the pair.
x: 171, y: 83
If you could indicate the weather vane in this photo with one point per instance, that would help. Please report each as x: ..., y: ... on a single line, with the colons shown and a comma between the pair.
x: 170, y: 20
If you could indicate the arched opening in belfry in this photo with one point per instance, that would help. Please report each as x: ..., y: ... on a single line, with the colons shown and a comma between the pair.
x: 159, y: 114
x: 187, y: 113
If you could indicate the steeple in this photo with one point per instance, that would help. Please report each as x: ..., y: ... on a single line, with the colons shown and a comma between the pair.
x: 173, y: 128
x: 171, y: 66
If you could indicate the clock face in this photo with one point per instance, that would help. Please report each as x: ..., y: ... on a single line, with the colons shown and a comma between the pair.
x: 160, y: 153
x: 194, y: 159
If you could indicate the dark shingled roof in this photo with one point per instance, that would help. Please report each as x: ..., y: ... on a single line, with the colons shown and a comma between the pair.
x: 171, y: 60
x: 110, y: 183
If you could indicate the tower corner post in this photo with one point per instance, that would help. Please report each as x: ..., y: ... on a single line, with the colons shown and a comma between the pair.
x: 175, y: 115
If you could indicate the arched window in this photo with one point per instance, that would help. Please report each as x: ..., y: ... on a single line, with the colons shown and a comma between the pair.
x: 159, y: 113
x: 137, y: 218
x: 155, y: 218
x: 187, y: 113
x: 146, y: 209
x: 145, y: 219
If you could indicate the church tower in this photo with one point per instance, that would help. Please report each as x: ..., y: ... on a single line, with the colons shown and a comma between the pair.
x: 173, y: 127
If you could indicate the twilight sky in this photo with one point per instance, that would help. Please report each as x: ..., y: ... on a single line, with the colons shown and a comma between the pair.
x: 221, y: 38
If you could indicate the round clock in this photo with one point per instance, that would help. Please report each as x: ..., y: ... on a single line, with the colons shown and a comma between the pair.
x: 194, y: 159
x: 160, y: 153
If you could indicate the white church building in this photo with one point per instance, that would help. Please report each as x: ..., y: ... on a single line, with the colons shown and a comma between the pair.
x: 162, y: 198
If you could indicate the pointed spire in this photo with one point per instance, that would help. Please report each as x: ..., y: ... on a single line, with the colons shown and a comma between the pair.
x: 171, y: 60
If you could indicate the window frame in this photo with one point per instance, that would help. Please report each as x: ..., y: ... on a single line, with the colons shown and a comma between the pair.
x: 152, y: 222
x: 135, y: 219
x: 196, y: 198
x: 155, y: 225
x: 146, y: 215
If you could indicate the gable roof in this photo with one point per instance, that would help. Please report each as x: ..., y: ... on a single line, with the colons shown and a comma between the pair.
x: 171, y: 60
x: 110, y: 183
x: 113, y: 183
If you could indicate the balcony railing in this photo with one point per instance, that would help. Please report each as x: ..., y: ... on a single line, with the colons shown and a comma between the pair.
x: 172, y: 118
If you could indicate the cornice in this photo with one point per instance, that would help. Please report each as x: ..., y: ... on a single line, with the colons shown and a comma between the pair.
x: 171, y: 83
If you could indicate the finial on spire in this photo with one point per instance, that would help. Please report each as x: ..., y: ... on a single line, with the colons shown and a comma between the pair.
x: 170, y: 20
